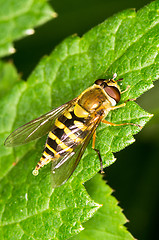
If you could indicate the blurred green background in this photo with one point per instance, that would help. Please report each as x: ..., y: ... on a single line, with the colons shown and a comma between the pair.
x: 134, y: 176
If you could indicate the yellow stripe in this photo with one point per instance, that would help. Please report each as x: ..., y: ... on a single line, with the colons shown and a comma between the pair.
x: 71, y: 135
x: 59, y: 124
x: 52, y: 150
x: 52, y: 136
x: 59, y: 142
x: 68, y: 115
x: 63, y: 146
x: 47, y: 160
x: 44, y: 161
x: 80, y: 125
x: 46, y: 154
x: 80, y: 111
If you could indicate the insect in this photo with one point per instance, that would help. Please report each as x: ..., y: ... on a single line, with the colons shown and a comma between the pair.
x: 70, y: 128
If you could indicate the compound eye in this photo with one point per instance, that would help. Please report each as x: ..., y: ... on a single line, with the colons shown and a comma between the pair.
x: 99, y: 81
x: 113, y: 92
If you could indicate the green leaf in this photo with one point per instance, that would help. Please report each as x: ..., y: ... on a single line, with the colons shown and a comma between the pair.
x: 18, y: 18
x: 108, y: 222
x: 126, y: 44
x: 8, y: 77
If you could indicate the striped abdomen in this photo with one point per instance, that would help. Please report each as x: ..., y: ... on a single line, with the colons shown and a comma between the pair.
x: 68, y: 131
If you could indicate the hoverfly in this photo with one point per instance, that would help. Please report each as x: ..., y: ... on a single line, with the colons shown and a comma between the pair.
x: 70, y: 128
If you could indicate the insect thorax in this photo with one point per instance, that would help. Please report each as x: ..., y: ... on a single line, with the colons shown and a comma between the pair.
x: 93, y: 98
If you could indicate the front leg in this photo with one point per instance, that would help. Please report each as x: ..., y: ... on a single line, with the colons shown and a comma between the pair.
x: 120, y: 124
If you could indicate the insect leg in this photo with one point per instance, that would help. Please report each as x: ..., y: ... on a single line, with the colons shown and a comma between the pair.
x: 120, y: 124
x: 94, y: 140
x: 97, y: 151
x: 118, y: 106
x: 125, y: 89
x: 122, y: 105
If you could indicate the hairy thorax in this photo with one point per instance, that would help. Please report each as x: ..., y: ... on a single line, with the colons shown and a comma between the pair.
x: 93, y: 99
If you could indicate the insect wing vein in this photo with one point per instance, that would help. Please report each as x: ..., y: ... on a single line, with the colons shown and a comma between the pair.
x: 36, y: 128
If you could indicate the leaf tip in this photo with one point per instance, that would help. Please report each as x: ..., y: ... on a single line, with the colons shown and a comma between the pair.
x: 151, y: 115
x: 81, y: 228
x: 12, y: 50
x: 112, y: 190
x: 54, y: 15
x: 151, y: 85
x: 29, y: 31
x: 127, y: 220
x: 98, y: 205
x: 131, y: 141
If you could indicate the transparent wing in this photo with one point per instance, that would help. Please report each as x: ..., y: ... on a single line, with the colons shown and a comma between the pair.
x: 63, y: 168
x: 36, y: 128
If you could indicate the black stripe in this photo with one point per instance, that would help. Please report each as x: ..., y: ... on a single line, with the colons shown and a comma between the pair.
x: 63, y: 119
x: 52, y: 143
x: 58, y: 132
x: 77, y: 131
x: 64, y: 138
x: 69, y: 123
x: 74, y: 118
x: 49, y: 152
